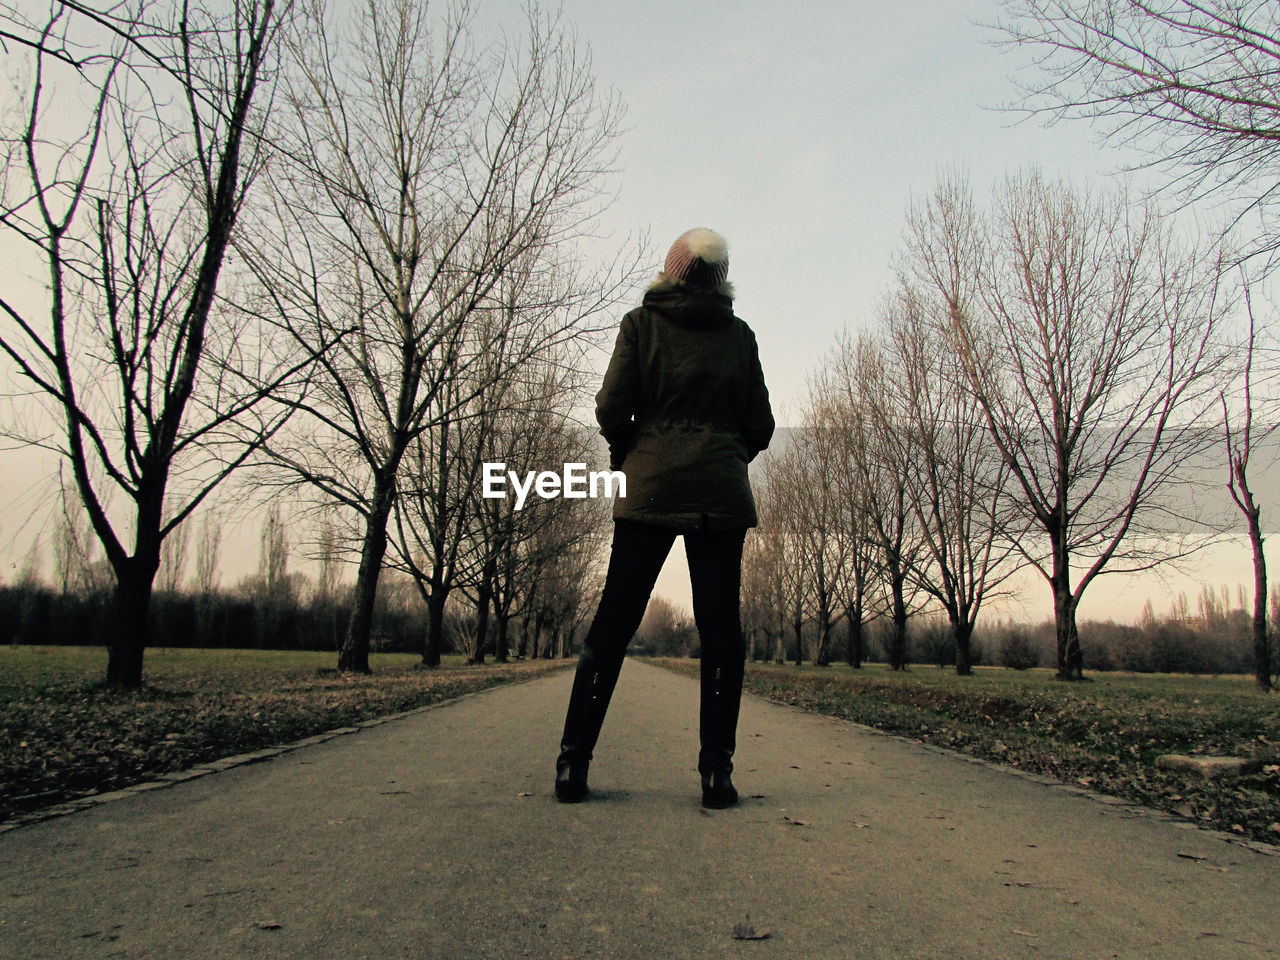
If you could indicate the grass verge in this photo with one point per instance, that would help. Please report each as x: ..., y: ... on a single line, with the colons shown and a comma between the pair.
x: 1104, y: 735
x: 64, y: 734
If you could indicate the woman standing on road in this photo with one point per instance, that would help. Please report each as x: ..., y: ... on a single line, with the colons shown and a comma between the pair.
x: 684, y: 409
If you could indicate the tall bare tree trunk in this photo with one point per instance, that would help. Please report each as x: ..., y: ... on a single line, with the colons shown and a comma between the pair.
x: 354, y: 655
x: 131, y: 599
x: 1239, y: 450
x: 898, y: 644
x: 797, y: 625
x: 857, y: 638
x: 1261, y: 645
x: 500, y: 639
x: 823, y: 659
x: 1070, y: 658
x: 484, y: 601
x: 127, y: 628
x: 435, y: 627
x: 962, y: 631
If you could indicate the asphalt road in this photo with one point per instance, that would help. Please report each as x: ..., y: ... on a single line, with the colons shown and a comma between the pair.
x: 437, y: 835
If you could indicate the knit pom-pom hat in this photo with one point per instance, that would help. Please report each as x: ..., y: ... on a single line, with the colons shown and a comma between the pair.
x: 700, y: 257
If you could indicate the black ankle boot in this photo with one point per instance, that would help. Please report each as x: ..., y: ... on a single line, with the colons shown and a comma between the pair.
x: 718, y: 791
x: 571, y: 782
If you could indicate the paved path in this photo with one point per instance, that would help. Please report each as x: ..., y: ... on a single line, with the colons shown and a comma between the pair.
x: 438, y: 836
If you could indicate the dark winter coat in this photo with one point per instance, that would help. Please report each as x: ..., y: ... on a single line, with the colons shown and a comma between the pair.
x: 684, y: 409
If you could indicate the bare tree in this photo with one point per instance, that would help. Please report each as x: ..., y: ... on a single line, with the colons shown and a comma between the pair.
x: 853, y: 526
x: 511, y: 562
x: 423, y: 173
x: 955, y: 482
x: 557, y: 582
x: 29, y: 576
x: 864, y: 408
x: 445, y: 532
x: 72, y: 545
x: 763, y: 601
x: 514, y: 544
x: 328, y: 556
x: 808, y: 466
x: 328, y: 559
x: 782, y: 486
x: 1089, y: 346
x: 158, y: 390
x: 271, y: 590
x: 434, y: 511
x: 1195, y: 83
x: 273, y: 554
x: 1242, y: 439
x: 667, y: 630
x: 208, y: 547
x: 461, y: 631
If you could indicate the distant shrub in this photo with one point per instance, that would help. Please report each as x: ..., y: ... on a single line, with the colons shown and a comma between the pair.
x: 1016, y: 651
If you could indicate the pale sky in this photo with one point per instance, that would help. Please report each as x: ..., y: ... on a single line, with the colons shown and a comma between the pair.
x: 801, y: 131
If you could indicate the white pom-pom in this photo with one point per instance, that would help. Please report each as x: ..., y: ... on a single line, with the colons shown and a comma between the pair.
x: 707, y: 245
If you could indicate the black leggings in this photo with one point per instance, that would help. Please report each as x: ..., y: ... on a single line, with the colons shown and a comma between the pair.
x: 715, y: 573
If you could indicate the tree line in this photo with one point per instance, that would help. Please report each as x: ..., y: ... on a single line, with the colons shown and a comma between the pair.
x: 280, y: 607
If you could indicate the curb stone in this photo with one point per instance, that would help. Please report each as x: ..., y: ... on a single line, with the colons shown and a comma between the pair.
x: 1211, y: 768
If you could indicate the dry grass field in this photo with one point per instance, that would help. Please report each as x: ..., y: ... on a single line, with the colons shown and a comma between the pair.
x: 63, y: 734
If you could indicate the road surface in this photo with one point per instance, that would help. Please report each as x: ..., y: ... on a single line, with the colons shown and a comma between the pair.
x: 437, y: 835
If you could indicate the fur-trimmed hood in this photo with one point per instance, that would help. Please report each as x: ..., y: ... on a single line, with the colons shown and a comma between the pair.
x: 690, y: 305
